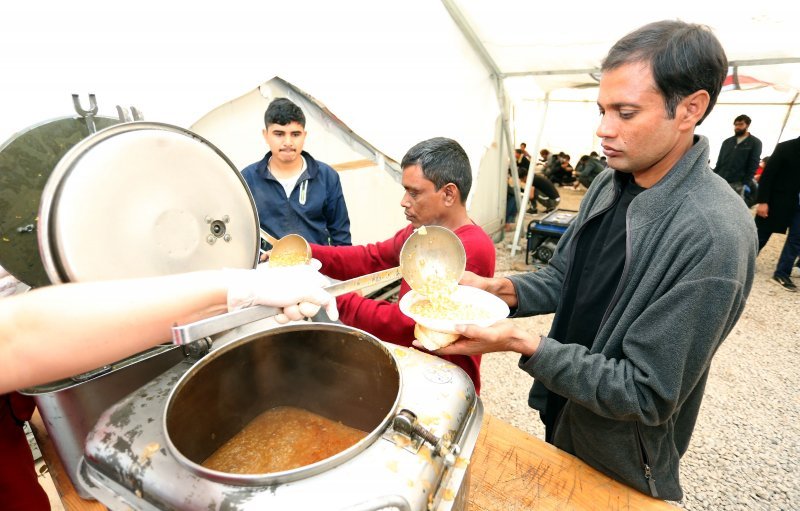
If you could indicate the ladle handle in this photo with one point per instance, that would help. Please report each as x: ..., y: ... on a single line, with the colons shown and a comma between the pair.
x: 270, y: 239
x: 192, y: 332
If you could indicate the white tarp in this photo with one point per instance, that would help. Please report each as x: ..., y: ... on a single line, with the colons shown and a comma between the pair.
x: 395, y: 72
x: 535, y: 46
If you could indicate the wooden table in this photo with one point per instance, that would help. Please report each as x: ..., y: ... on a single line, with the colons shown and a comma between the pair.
x: 510, y: 471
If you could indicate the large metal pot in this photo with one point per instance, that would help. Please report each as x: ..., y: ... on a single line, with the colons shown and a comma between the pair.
x: 135, y: 199
x: 337, y: 372
x: 420, y: 412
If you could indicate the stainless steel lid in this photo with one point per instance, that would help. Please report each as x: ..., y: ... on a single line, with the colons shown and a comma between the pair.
x: 144, y: 199
x: 26, y: 161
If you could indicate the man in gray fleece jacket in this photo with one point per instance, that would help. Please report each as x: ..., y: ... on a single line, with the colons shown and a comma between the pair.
x: 648, y: 280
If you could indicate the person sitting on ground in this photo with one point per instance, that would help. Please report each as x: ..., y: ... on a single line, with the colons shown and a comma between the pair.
x: 564, y: 174
x: 523, y: 162
x: 545, y: 193
x: 524, y: 148
x: 544, y: 158
x: 586, y: 170
x: 437, y: 179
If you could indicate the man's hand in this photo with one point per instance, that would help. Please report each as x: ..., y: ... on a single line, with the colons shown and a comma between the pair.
x: 499, y: 286
x: 502, y: 336
x: 762, y: 210
x: 474, y: 280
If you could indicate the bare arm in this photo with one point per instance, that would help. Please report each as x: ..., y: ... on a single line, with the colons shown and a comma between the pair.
x: 62, y: 330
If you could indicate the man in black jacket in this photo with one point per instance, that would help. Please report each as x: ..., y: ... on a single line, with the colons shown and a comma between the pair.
x: 739, y: 156
x: 779, y: 207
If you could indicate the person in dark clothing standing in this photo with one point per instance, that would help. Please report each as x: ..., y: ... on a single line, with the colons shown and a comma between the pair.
x: 293, y: 192
x: 739, y: 156
x: 643, y: 296
x: 779, y: 207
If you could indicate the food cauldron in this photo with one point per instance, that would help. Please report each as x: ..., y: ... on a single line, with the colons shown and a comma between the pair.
x: 420, y: 414
x: 338, y: 373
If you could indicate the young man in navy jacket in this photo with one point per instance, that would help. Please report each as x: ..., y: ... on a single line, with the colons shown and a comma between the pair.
x: 293, y: 192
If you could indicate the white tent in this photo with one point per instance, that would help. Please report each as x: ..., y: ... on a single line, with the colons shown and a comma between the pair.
x: 394, y: 73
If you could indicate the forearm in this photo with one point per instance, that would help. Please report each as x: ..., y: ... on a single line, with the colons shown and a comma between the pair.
x: 59, y: 331
x: 503, y: 288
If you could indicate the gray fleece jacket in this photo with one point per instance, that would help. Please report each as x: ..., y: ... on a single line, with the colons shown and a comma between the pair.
x: 634, y: 395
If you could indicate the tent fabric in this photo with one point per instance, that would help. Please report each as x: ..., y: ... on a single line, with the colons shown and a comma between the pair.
x: 396, y: 73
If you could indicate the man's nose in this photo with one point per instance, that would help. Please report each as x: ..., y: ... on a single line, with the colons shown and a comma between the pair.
x: 606, y: 127
x: 404, y: 202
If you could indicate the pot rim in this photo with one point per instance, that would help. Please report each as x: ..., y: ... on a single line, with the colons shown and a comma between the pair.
x: 295, y: 474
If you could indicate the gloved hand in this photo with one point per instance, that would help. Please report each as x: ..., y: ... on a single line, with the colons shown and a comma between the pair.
x: 8, y: 284
x: 298, y: 289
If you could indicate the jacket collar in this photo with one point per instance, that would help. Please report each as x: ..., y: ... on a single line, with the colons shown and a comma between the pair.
x: 312, y: 169
x: 689, y: 173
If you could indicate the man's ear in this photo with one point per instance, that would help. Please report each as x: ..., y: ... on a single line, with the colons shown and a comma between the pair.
x: 451, y: 194
x: 695, y: 106
x: 264, y: 133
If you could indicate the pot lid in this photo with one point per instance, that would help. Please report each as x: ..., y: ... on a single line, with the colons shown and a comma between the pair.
x: 144, y: 199
x: 26, y: 161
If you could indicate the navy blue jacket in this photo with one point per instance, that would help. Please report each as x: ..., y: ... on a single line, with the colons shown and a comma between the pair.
x: 737, y: 163
x: 315, y: 211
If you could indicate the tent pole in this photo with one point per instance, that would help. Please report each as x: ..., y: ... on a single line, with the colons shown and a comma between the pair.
x: 529, y: 181
x: 472, y: 38
x: 788, y: 114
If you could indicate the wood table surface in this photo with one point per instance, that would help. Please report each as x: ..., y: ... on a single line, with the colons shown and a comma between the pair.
x: 510, y: 470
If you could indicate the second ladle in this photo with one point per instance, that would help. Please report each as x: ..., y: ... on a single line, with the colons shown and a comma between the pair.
x: 289, y: 250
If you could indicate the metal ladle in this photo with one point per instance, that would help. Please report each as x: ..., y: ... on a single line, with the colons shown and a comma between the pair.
x: 430, y: 251
x: 291, y: 246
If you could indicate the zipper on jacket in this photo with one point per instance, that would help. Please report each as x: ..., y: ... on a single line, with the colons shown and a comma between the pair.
x: 645, y: 459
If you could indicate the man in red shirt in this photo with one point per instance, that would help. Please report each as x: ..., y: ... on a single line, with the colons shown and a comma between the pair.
x: 437, y: 179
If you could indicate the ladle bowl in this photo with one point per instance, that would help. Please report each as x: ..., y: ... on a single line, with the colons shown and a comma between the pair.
x: 432, y: 255
x: 291, y: 247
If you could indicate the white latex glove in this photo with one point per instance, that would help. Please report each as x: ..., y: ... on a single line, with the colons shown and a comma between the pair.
x: 298, y: 289
x: 8, y: 284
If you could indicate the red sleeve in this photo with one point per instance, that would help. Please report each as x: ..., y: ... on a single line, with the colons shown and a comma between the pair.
x: 383, y: 319
x: 346, y: 262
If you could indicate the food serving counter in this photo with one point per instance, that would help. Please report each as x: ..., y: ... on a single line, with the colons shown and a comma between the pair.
x: 510, y: 470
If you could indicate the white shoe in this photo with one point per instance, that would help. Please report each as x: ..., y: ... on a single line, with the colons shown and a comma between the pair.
x: 795, y: 271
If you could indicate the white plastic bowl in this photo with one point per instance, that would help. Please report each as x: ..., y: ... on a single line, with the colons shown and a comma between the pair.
x: 496, y: 308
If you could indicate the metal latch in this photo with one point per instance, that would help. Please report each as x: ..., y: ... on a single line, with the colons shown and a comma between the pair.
x: 405, y: 422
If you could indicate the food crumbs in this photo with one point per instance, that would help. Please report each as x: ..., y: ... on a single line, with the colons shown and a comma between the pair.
x: 422, y: 231
x: 400, y: 353
x: 401, y: 441
x: 425, y: 453
x: 149, y: 450
x: 461, y: 462
x: 392, y: 465
x: 448, y: 494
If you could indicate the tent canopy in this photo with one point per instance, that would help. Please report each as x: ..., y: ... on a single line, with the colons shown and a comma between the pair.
x: 394, y: 72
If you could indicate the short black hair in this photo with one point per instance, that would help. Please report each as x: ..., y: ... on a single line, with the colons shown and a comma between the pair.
x: 683, y: 57
x: 282, y: 111
x: 744, y: 118
x: 442, y: 161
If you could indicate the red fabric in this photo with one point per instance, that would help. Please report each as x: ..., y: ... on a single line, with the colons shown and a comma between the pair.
x: 383, y: 319
x: 19, y: 483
